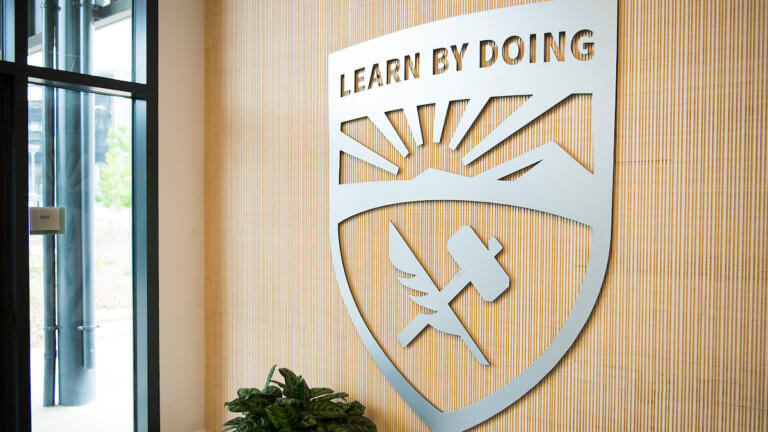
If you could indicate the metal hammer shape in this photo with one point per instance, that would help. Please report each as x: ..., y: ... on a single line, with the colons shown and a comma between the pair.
x: 478, y: 266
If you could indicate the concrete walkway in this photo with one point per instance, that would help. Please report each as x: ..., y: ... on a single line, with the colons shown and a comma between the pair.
x: 112, y: 409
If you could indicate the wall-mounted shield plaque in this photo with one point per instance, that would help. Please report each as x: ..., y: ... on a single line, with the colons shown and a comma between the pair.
x: 547, y: 52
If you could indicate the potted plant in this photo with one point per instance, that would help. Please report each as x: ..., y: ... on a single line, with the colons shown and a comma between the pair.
x: 293, y: 406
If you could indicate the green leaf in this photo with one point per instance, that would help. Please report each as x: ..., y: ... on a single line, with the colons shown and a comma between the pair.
x: 290, y: 378
x: 272, y: 415
x: 244, y: 392
x: 273, y: 391
x: 355, y: 408
x: 289, y: 402
x: 260, y: 398
x: 269, y: 376
x: 282, y: 416
x: 319, y: 391
x: 237, y: 405
x: 326, y: 409
x: 307, y: 420
x: 233, y: 424
x: 257, y: 408
x: 300, y: 391
x: 332, y: 396
x: 361, y: 424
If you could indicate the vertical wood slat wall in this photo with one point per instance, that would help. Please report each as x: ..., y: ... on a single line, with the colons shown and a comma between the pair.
x: 679, y: 337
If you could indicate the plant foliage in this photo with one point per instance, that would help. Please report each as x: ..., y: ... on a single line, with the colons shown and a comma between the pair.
x: 293, y: 406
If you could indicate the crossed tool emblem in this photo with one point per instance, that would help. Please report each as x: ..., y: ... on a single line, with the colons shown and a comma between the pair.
x: 477, y: 265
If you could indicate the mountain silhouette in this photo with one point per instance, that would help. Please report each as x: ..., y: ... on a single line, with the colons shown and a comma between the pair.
x: 554, y: 183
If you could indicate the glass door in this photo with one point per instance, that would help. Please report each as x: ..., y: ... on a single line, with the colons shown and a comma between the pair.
x: 80, y: 260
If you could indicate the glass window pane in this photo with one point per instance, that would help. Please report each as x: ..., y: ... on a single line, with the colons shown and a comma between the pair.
x: 7, y: 18
x: 93, y: 37
x: 81, y: 280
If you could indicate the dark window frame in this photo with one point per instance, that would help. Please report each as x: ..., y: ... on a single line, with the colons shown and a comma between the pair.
x: 14, y: 245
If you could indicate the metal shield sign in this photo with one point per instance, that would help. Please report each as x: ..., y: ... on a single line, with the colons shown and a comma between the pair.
x: 546, y: 51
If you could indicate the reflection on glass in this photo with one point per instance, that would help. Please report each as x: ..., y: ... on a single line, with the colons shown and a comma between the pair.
x: 81, y: 328
x: 6, y: 29
x: 89, y: 36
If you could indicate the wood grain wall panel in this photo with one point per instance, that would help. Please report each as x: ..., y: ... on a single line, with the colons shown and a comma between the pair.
x: 679, y: 337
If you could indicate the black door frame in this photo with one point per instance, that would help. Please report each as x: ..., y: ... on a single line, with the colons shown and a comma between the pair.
x: 14, y: 237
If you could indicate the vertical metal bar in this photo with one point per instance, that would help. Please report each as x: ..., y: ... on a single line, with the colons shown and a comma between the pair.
x: 87, y: 189
x: 140, y: 264
x: 50, y: 27
x: 50, y: 19
x: 31, y: 30
x: 145, y: 260
x: 14, y: 257
x: 69, y: 36
x: 17, y: 270
x: 76, y: 383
